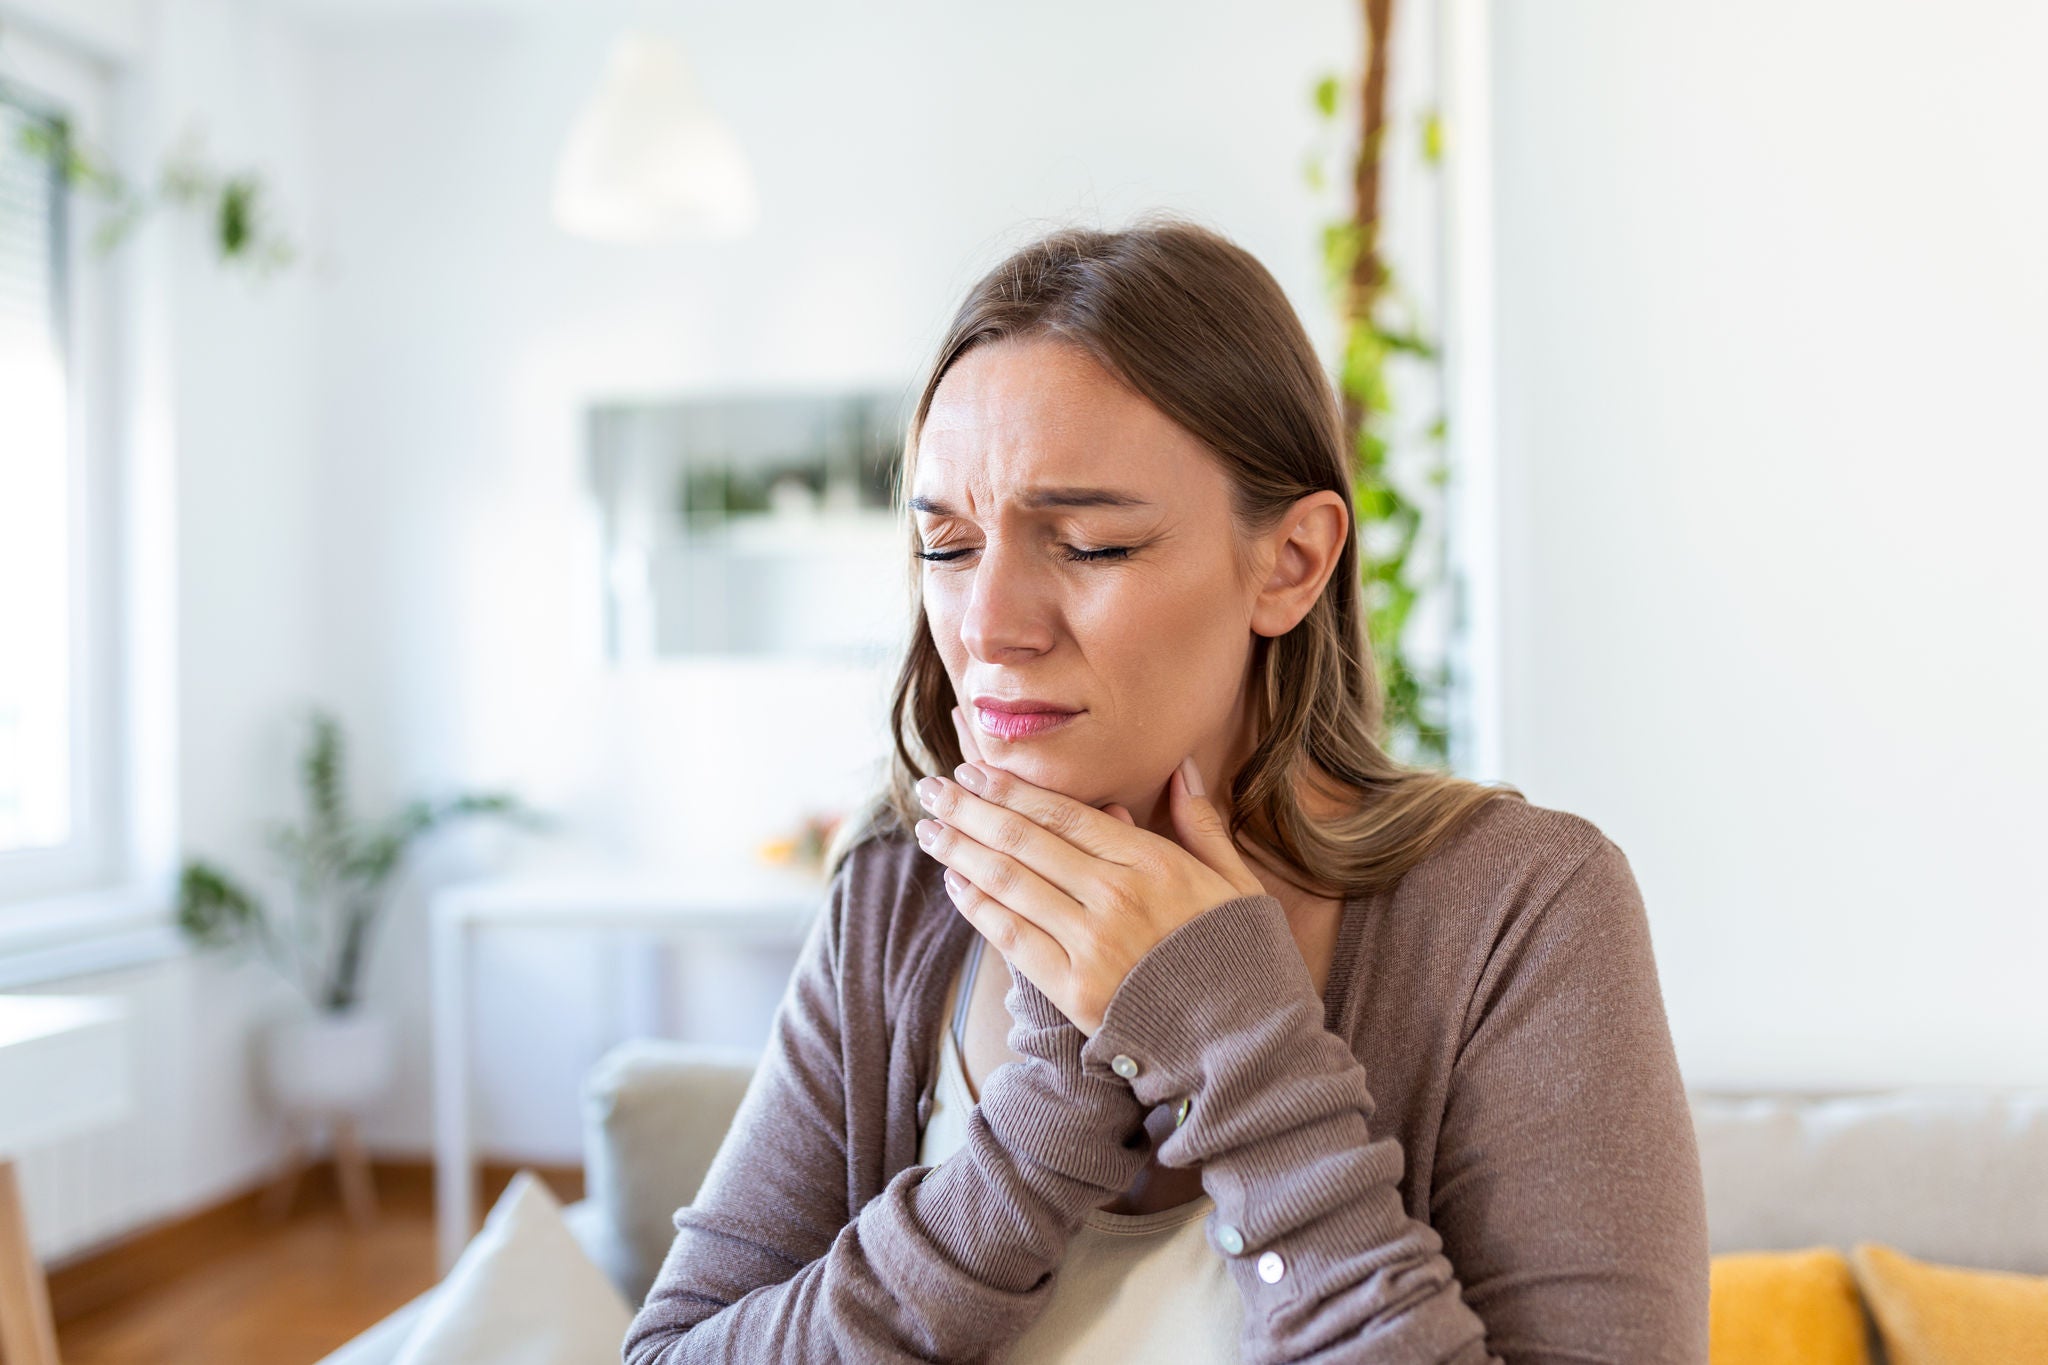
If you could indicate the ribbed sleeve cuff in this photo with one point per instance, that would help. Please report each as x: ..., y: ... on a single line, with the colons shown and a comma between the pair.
x: 1046, y: 1143
x: 1087, y: 1124
x: 1222, y: 1012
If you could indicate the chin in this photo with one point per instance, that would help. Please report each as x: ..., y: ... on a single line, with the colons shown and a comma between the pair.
x: 1081, y: 781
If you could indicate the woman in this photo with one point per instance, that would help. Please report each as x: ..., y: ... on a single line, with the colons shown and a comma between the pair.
x: 1286, y: 1051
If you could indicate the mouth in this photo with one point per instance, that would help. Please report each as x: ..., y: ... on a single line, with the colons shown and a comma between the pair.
x: 1017, y: 720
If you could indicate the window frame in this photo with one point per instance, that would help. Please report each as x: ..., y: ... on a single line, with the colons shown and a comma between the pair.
x: 48, y: 894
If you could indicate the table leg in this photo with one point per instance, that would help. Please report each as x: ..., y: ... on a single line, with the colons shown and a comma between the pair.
x: 277, y: 1200
x: 27, y: 1334
x: 352, y: 1171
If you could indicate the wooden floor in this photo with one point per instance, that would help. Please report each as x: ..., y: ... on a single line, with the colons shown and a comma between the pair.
x: 229, y: 1287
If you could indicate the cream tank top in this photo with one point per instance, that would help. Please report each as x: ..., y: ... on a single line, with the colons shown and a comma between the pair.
x: 1143, y: 1288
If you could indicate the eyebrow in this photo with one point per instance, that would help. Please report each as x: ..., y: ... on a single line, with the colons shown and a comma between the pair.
x: 1038, y: 498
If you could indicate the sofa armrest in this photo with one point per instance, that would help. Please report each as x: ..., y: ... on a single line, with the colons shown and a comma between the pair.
x: 654, y: 1114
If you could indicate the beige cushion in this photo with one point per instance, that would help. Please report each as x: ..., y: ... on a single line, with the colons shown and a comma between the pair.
x: 1958, y: 1176
x: 654, y: 1113
x: 522, y: 1293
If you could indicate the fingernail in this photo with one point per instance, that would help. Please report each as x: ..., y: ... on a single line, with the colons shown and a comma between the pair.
x: 970, y: 777
x: 1192, y: 776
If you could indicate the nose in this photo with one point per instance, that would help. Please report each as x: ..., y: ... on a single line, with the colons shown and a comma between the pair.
x: 1007, y: 613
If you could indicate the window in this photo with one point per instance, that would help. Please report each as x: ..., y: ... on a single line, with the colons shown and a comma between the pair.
x: 60, y: 808
x: 35, y: 684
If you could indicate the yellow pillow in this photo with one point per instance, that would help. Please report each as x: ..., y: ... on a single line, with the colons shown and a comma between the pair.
x: 1784, y: 1308
x: 1944, y: 1315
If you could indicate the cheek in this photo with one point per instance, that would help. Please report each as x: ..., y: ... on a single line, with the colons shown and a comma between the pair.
x: 944, y: 624
x: 1166, y: 650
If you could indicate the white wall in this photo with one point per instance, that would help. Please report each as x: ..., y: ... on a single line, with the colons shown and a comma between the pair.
x: 379, y: 456
x: 899, y: 149
x: 221, y: 389
x: 1770, y: 301
x: 249, y: 661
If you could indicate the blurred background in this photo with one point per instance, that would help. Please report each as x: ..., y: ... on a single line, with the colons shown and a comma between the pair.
x: 449, y: 580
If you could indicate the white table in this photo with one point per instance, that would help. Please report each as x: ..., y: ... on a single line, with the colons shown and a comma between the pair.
x: 764, y: 906
x: 63, y: 1070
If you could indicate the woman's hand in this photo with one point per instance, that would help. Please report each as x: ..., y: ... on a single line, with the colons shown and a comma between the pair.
x: 1072, y: 896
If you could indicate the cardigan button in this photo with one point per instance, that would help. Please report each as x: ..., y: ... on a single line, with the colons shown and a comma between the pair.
x: 1123, y: 1066
x: 1271, y: 1267
x: 1230, y: 1239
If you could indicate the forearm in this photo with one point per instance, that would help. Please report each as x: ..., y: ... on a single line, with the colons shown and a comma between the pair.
x: 947, y: 1261
x: 1309, y: 1215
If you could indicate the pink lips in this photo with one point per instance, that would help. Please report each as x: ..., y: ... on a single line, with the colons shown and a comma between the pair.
x: 1015, y: 725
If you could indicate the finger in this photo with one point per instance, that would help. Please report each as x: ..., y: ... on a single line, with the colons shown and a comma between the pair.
x: 970, y: 747
x: 1200, y: 829
x: 1023, y: 944
x: 1003, y: 797
x: 1003, y: 879
x: 1117, y: 809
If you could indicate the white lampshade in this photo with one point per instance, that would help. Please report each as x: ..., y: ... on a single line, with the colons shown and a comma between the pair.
x: 646, y: 160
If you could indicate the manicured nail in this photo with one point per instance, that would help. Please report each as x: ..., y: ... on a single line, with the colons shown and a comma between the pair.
x: 970, y: 777
x: 1192, y: 775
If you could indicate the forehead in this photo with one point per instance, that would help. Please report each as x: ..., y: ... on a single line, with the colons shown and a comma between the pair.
x: 1013, y: 414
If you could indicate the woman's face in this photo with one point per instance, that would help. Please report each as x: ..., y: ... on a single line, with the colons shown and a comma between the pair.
x: 1088, y: 561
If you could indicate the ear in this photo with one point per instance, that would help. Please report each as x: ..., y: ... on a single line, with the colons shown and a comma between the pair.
x: 1303, y: 548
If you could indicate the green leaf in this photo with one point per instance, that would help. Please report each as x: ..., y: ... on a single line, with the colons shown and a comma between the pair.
x: 1407, y: 343
x: 1364, y: 373
x: 236, y: 216
x: 1433, y: 137
x: 213, y: 909
x: 1326, y: 96
x: 321, y: 772
x: 1342, y: 243
x: 1375, y: 500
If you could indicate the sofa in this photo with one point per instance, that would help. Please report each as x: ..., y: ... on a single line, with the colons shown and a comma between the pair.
x: 1957, y: 1175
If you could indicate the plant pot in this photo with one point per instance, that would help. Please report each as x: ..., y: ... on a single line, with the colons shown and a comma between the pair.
x: 328, y: 1063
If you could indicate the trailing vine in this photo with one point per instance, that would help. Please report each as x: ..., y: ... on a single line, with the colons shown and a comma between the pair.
x: 235, y: 205
x: 1378, y: 331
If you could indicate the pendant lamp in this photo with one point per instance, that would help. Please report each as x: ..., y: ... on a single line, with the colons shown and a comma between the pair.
x: 646, y: 161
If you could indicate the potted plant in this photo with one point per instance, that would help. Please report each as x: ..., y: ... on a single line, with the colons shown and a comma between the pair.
x: 334, y: 1056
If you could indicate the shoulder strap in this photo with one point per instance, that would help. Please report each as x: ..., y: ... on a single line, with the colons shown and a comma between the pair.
x: 966, y: 993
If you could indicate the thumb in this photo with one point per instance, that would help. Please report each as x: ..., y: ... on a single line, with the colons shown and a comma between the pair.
x: 1199, y: 824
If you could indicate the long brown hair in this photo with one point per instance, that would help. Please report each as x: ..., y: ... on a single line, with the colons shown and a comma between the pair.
x: 1202, y: 330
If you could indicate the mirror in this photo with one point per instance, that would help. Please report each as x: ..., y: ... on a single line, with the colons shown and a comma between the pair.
x: 752, y: 525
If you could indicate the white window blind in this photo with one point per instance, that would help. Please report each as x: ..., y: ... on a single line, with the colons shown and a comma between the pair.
x: 37, y: 648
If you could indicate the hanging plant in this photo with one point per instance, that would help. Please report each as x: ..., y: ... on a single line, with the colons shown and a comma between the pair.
x: 235, y: 206
x: 1379, y: 330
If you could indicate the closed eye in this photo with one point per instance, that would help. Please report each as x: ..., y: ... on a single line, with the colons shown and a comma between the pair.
x: 1073, y: 552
